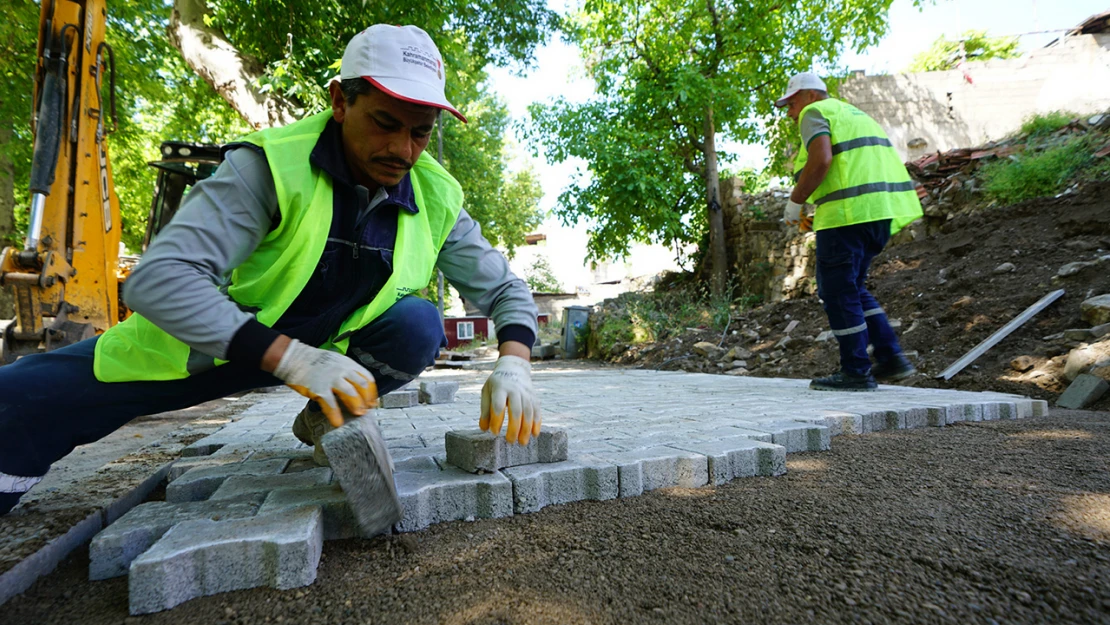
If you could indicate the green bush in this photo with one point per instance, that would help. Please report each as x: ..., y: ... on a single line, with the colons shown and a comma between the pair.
x: 1041, y: 125
x: 1036, y: 174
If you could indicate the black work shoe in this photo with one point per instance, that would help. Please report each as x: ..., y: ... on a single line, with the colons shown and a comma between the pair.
x: 842, y: 381
x: 897, y: 368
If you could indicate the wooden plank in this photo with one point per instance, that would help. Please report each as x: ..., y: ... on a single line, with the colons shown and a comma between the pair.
x: 1000, y: 334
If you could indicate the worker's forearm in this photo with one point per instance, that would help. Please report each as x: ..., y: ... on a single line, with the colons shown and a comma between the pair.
x: 813, y: 174
x: 273, y: 355
x: 515, y: 348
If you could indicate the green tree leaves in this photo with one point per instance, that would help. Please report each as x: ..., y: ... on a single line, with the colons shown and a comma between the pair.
x: 974, y: 45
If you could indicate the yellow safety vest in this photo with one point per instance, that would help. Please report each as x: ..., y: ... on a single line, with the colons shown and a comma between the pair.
x: 867, y: 181
x: 279, y: 268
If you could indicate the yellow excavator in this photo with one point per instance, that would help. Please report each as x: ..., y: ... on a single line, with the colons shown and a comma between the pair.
x: 66, y: 278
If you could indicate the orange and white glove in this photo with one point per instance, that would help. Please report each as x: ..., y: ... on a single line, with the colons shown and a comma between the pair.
x: 509, y: 390
x: 792, y: 214
x: 328, y: 378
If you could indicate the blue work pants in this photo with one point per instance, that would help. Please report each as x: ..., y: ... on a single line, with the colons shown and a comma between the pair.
x: 844, y: 256
x: 51, y: 403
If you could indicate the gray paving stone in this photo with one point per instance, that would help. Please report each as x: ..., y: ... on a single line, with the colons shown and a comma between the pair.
x: 182, y: 465
x: 660, y: 467
x: 738, y: 457
x: 399, y: 399
x: 339, y: 520
x: 199, y: 483
x: 451, y: 495
x: 364, y: 469
x: 477, y: 450
x: 240, y: 485
x: 1085, y: 390
x: 536, y: 486
x: 205, y: 557
x: 112, y: 550
x: 416, y: 463
x: 963, y: 412
x: 438, y: 392
x: 214, y: 442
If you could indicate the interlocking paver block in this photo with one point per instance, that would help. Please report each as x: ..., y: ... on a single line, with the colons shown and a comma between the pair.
x: 240, y: 485
x: 400, y: 399
x: 182, y: 465
x: 659, y: 467
x: 739, y: 457
x: 477, y: 450
x: 112, y: 550
x: 452, y: 495
x: 438, y: 392
x: 797, y: 436
x: 536, y: 486
x: 339, y: 520
x: 199, y: 483
x: 364, y: 469
x: 964, y: 412
x: 199, y: 558
x: 212, y: 443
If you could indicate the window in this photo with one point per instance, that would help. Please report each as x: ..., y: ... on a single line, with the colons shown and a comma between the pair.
x: 465, y: 330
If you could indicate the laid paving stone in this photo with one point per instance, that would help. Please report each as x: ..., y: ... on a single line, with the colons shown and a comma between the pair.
x: 660, y: 467
x: 736, y: 457
x: 796, y: 436
x: 182, y: 465
x: 963, y: 412
x: 205, y: 557
x: 214, y: 442
x: 477, y: 450
x: 112, y: 550
x: 536, y: 486
x: 200, y: 483
x: 1085, y: 390
x: 416, y: 463
x: 451, y: 495
x: 400, y: 399
x: 240, y: 485
x: 438, y: 392
x: 339, y: 520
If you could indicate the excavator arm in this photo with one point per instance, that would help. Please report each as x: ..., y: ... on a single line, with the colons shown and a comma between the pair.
x: 66, y: 275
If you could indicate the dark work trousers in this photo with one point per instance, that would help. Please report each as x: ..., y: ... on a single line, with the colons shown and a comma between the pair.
x: 51, y: 403
x: 843, y: 257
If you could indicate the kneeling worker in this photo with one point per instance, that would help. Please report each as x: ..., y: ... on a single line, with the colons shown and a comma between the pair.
x: 848, y: 169
x: 295, y: 263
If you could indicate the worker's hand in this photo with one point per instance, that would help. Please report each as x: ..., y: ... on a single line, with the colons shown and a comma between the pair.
x: 792, y: 216
x: 509, y: 390
x: 328, y: 378
x: 806, y: 224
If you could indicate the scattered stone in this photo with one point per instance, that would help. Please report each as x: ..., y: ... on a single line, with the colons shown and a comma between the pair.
x: 1021, y: 364
x: 540, y: 352
x: 827, y: 335
x: 1071, y: 269
x: 962, y: 302
x: 1077, y: 334
x: 438, y: 392
x: 738, y: 364
x: 1096, y: 310
x: 740, y: 371
x: 239, y: 486
x: 1100, y: 331
x: 478, y: 450
x: 1005, y: 268
x: 1101, y: 372
x: 708, y: 350
x: 205, y: 557
x: 1083, y: 359
x: 737, y: 353
x: 1084, y: 391
x: 400, y: 399
x: 784, y: 343
x: 790, y: 326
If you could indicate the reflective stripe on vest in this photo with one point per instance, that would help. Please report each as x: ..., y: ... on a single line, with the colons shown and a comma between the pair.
x: 272, y: 277
x: 867, y: 180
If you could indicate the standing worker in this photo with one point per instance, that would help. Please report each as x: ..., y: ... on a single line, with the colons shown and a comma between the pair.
x: 295, y: 263
x: 863, y: 193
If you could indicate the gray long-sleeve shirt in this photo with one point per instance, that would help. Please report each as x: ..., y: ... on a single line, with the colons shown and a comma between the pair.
x: 222, y: 221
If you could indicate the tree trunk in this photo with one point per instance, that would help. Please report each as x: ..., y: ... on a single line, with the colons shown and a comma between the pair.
x: 718, y: 258
x: 7, y: 213
x: 230, y: 73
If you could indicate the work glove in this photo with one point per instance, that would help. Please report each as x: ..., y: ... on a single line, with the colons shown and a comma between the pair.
x: 509, y: 390
x: 807, y: 223
x: 328, y: 378
x: 792, y: 215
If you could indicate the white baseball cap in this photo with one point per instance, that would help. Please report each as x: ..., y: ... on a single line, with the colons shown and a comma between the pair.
x: 402, y: 61
x: 805, y: 80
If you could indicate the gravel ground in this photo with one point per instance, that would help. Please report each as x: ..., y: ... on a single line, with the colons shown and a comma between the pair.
x: 1000, y: 522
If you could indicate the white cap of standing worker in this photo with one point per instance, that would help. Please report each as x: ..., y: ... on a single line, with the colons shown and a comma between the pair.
x: 804, y: 80
x: 402, y: 61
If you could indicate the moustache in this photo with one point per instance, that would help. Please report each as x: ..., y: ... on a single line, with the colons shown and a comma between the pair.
x: 393, y: 162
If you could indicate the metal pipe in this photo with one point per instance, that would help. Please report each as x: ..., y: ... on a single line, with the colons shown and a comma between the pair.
x: 38, y: 200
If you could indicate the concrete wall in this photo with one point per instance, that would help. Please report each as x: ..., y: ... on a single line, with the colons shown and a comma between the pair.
x: 947, y: 112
